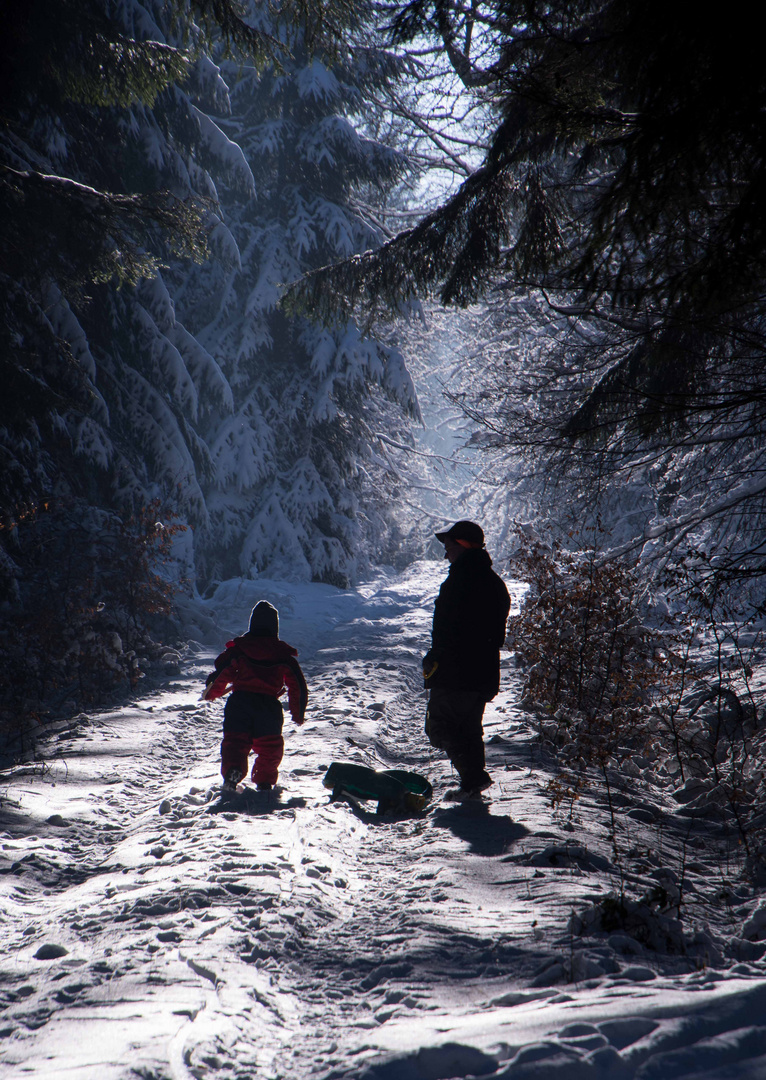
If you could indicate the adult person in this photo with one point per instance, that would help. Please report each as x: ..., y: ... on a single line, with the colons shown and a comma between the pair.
x: 462, y: 668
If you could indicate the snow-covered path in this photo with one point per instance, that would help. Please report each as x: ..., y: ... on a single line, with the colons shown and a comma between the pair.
x: 151, y: 929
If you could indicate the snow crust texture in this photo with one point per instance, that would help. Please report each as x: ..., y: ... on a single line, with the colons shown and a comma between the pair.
x: 153, y: 927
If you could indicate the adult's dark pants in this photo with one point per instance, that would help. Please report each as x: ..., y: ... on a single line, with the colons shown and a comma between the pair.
x: 252, y: 722
x: 454, y: 724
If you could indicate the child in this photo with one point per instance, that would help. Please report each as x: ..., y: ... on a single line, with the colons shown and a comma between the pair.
x: 256, y: 668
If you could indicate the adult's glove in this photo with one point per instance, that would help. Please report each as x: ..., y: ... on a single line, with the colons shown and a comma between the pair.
x: 429, y: 666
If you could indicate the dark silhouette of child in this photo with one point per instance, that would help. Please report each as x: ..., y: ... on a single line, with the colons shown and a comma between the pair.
x: 256, y: 668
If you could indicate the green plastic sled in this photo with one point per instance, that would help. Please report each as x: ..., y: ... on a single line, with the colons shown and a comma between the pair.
x: 394, y: 789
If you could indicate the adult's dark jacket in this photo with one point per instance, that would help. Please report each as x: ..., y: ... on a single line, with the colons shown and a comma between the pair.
x: 469, y: 627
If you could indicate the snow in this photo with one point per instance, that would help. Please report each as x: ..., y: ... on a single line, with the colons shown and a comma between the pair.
x: 316, y: 81
x: 224, y: 151
x: 222, y: 242
x: 151, y: 928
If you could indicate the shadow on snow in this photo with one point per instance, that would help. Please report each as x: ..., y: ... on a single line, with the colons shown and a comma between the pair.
x: 485, y: 833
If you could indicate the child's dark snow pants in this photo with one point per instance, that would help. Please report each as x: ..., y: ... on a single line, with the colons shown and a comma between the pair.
x: 252, y: 722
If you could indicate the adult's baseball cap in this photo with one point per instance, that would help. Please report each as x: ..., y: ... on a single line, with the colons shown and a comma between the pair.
x: 463, y: 530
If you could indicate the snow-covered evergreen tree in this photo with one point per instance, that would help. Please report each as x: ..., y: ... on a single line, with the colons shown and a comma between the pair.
x: 106, y: 158
x: 298, y: 487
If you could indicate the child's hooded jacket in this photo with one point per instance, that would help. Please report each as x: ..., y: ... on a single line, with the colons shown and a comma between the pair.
x: 260, y: 664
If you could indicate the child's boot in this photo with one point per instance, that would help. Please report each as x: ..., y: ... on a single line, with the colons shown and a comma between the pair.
x: 233, y: 777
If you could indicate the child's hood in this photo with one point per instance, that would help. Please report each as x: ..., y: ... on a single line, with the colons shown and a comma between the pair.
x: 260, y: 647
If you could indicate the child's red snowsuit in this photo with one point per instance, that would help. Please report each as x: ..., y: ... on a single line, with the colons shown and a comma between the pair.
x: 257, y: 669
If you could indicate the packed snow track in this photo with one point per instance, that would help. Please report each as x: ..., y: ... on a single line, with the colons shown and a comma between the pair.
x: 152, y: 928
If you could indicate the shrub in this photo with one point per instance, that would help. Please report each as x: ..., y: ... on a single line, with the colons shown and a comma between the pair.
x: 593, y: 661
x: 582, y: 632
x: 79, y: 588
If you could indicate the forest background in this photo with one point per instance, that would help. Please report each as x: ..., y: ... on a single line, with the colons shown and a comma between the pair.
x: 564, y: 200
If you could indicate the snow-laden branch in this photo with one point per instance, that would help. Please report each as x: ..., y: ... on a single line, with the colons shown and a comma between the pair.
x: 429, y: 455
x: 682, y: 525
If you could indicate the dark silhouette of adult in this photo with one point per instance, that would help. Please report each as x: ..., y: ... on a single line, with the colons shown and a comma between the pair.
x: 462, y: 668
